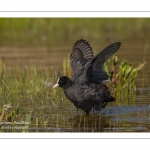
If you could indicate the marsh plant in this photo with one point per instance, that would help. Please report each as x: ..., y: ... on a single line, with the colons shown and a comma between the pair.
x: 27, y: 96
x: 123, y: 75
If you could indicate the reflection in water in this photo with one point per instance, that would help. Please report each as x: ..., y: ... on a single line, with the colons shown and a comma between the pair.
x: 89, y: 123
x: 135, y: 118
x: 121, y: 119
x: 128, y: 120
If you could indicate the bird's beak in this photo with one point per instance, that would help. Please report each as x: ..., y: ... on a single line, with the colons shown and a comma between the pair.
x: 56, y: 85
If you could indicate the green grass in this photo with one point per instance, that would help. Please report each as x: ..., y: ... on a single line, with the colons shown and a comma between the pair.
x: 28, y: 91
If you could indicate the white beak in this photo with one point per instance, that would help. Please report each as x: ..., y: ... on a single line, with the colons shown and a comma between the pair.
x: 56, y: 85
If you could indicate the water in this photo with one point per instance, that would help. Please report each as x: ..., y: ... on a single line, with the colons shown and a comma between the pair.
x: 47, y: 56
x: 129, y: 115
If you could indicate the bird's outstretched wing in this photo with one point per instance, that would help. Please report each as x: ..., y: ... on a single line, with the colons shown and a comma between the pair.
x: 94, y: 70
x: 80, y: 55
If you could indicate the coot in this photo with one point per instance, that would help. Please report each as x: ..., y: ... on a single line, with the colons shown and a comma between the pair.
x: 87, y: 89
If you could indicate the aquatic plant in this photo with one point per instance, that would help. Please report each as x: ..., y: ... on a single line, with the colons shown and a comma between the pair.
x: 123, y: 76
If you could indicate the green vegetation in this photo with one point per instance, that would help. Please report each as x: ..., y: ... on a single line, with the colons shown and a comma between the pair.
x: 51, y: 30
x: 123, y: 76
x: 27, y: 94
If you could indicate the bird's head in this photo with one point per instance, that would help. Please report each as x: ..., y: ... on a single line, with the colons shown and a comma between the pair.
x: 63, y: 82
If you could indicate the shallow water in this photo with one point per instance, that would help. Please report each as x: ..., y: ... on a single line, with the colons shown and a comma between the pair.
x: 116, y: 118
x: 133, y: 115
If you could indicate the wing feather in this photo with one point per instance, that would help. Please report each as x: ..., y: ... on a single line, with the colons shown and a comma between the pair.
x: 80, y: 55
x: 95, y: 69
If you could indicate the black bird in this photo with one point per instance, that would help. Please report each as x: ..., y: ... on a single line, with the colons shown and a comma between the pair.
x: 87, y: 89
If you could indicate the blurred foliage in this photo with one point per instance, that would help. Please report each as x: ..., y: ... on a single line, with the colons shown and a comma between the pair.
x: 51, y: 30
